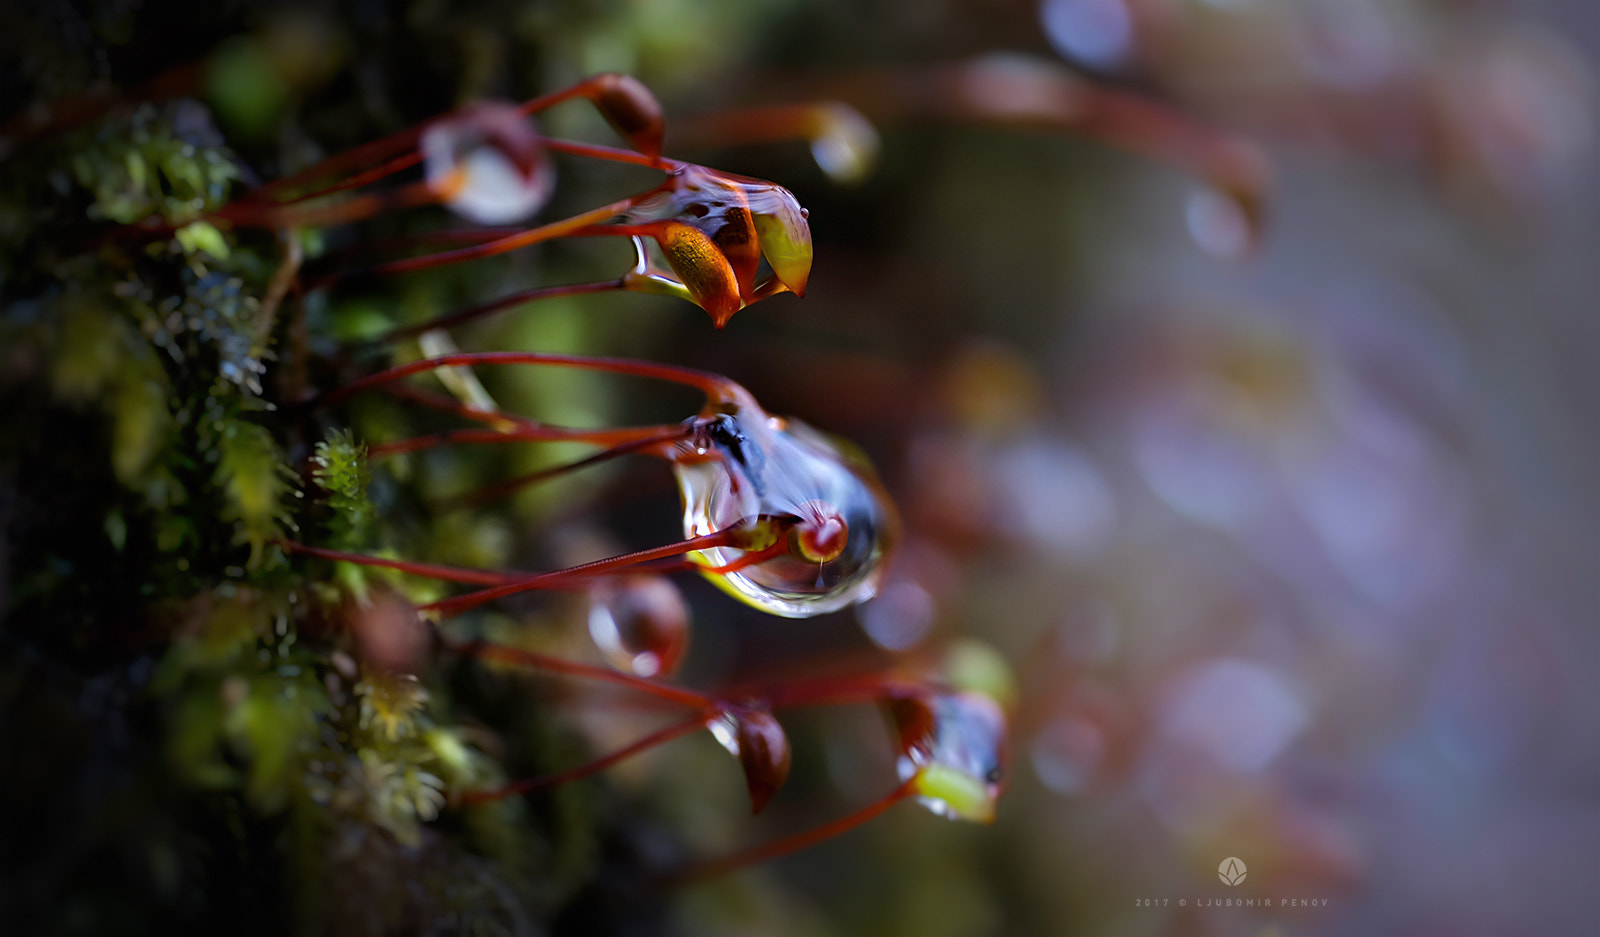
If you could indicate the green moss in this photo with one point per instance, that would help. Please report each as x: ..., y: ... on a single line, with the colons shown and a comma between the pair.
x: 341, y: 470
x: 138, y: 167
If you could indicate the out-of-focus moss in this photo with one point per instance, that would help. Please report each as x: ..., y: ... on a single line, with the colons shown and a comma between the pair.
x: 140, y: 168
x: 255, y: 480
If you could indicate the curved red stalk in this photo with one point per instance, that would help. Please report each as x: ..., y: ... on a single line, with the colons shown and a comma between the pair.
x: 714, y: 386
x: 613, y: 154
x: 461, y: 603
x: 501, y: 489
x: 365, y: 154
x: 399, y: 163
x: 795, y: 843
x: 659, y: 737
x: 471, y: 577
x: 453, y: 319
x: 534, y: 659
x: 600, y: 437
x: 545, y: 232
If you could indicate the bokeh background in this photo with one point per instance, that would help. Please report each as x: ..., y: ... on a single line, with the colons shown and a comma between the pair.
x: 1287, y: 526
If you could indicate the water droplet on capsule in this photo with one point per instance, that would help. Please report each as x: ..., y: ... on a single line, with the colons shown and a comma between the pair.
x: 488, y: 163
x: 761, y: 468
x: 640, y: 623
x: 952, y: 748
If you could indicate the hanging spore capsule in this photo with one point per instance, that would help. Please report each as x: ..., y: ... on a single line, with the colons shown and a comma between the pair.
x: 632, y: 110
x: 640, y: 623
x: 745, y: 468
x: 952, y: 752
x: 754, y: 736
x: 487, y: 163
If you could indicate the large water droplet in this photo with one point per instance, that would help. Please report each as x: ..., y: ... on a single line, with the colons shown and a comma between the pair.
x: 764, y: 467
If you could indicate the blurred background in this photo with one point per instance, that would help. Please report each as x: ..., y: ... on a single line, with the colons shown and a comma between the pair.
x: 1275, y: 489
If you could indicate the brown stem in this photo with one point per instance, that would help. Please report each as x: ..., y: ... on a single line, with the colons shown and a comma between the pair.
x: 471, y: 577
x: 399, y: 163
x: 536, y: 433
x: 363, y: 155
x: 501, y: 489
x: 352, y: 209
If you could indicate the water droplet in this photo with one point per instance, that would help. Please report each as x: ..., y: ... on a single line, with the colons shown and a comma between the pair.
x: 640, y: 623
x: 951, y: 745
x: 487, y: 163
x: 766, y: 468
x: 744, y: 221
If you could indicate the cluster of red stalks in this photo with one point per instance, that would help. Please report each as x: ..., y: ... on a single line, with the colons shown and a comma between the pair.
x: 775, y: 513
